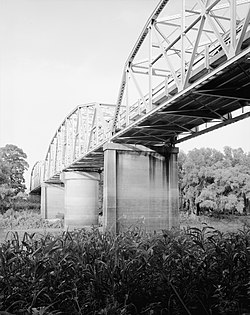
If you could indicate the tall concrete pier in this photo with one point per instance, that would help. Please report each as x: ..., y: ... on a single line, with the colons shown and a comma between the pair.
x: 140, y: 188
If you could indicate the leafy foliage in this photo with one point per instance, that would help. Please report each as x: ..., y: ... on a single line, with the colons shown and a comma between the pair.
x: 26, y: 219
x: 213, y: 182
x: 12, y: 167
x: 86, y: 272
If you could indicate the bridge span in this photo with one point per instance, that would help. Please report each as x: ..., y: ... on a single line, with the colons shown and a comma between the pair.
x: 186, y: 75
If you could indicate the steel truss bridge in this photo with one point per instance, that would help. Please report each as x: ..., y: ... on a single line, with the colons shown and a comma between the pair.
x: 187, y: 74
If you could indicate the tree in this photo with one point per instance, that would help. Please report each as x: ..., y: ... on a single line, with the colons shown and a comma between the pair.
x: 197, y: 173
x: 211, y: 181
x: 12, y: 167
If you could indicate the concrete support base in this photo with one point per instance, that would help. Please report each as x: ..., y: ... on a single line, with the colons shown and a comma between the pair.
x: 81, y: 199
x: 52, y: 200
x: 140, y: 188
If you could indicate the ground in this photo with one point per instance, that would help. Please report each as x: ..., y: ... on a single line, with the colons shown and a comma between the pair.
x: 229, y: 224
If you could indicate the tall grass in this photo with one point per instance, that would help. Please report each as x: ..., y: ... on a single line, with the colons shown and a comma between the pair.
x: 87, y: 272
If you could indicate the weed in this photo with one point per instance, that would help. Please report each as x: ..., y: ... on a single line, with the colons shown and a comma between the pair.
x: 197, y: 271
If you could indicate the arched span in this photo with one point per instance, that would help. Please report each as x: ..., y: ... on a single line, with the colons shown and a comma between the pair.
x: 187, y: 74
x: 83, y: 131
x: 36, y: 177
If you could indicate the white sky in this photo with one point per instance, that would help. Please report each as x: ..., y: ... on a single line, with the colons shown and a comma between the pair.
x: 56, y: 54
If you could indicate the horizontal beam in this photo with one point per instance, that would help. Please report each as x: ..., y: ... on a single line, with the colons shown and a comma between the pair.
x: 217, y: 126
x: 240, y: 93
x: 204, y: 114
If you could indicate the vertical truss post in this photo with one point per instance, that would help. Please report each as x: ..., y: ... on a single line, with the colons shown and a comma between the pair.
x: 166, y: 85
x: 139, y: 107
x: 232, y: 28
x: 76, y: 135
x: 243, y: 31
x: 49, y: 162
x: 103, y: 122
x: 45, y: 168
x: 52, y: 157
x: 127, y: 97
x: 87, y: 128
x: 97, y: 124
x: 72, y: 142
x: 182, y: 44
x: 94, y: 119
x: 150, y: 69
x: 207, y: 57
x: 56, y: 152
x: 68, y: 140
x: 82, y: 134
x: 64, y: 143
x: 138, y: 88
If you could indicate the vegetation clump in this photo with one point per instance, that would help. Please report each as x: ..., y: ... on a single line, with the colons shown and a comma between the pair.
x: 25, y: 220
x: 214, y: 183
x: 191, y: 271
x: 13, y: 164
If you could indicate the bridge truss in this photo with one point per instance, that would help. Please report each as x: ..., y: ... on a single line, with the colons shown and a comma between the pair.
x: 187, y: 74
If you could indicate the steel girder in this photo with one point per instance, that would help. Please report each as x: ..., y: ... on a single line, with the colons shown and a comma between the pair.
x: 172, y: 50
x: 187, y: 74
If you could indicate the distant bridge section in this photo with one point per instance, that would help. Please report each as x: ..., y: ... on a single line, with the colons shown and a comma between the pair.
x: 187, y: 74
x: 37, y: 175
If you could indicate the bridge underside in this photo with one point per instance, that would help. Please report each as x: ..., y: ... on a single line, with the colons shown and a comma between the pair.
x: 209, y: 104
x: 206, y: 107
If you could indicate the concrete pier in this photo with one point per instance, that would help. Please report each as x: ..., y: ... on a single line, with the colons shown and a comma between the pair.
x: 80, y: 199
x: 52, y: 200
x: 140, y: 188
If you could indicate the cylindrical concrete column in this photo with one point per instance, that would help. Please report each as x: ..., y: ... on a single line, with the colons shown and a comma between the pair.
x: 81, y: 199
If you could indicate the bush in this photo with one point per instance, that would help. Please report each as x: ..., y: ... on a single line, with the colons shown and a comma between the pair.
x: 22, y: 202
x: 25, y: 220
x: 86, y: 272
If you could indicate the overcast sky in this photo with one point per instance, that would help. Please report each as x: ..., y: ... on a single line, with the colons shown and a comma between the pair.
x: 57, y: 54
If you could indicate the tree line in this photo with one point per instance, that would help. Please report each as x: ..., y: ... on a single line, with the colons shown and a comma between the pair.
x: 213, y: 182
x: 210, y: 182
